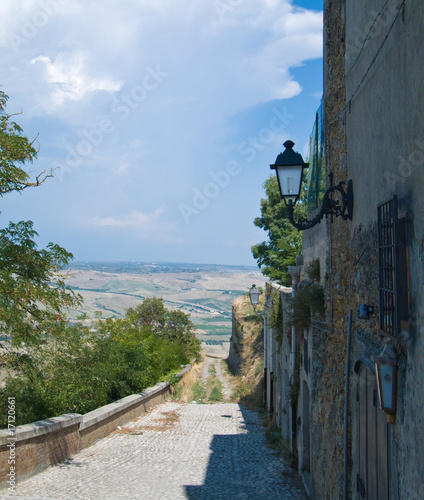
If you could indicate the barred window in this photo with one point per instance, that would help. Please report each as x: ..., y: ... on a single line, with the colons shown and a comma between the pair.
x: 392, y: 267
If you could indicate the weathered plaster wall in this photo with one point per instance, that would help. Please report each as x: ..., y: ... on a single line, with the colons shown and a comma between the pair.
x: 385, y: 131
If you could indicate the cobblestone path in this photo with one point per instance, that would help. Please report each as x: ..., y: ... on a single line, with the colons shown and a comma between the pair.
x: 176, y: 451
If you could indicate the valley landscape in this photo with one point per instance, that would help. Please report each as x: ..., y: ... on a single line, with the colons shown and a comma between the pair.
x: 206, y: 292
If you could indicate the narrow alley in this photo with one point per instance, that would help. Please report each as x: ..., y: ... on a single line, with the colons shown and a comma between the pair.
x: 175, y: 451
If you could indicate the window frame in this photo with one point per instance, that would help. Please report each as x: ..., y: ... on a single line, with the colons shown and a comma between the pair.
x: 392, y: 268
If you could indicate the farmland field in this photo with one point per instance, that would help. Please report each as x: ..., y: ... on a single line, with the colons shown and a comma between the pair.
x: 206, y: 292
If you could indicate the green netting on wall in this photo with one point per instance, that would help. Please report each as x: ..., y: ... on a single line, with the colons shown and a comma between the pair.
x: 316, y: 184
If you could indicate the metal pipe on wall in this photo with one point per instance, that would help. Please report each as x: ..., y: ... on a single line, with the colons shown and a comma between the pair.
x: 265, y: 361
x: 346, y: 415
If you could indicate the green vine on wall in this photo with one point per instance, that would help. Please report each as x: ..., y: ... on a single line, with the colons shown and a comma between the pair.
x: 276, y: 316
x: 309, y: 298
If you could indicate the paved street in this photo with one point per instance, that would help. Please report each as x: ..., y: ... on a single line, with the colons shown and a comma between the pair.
x: 176, y: 451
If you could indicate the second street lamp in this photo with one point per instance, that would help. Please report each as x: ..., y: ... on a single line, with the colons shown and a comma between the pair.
x: 254, y: 296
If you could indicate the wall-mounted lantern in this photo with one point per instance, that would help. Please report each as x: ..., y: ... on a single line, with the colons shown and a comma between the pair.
x: 386, y: 367
x: 289, y: 167
x: 365, y: 312
x: 254, y: 296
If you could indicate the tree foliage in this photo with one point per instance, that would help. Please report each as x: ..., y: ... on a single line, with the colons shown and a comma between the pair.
x: 284, y: 241
x: 78, y: 370
x: 173, y: 325
x: 32, y: 291
x: 15, y: 151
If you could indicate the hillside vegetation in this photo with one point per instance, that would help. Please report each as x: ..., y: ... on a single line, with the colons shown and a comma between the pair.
x: 78, y: 370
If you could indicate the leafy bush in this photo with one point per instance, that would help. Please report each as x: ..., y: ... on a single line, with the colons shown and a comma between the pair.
x: 276, y: 315
x: 77, y: 370
x: 309, y: 299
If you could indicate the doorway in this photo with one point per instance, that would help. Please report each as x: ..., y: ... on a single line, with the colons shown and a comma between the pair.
x: 373, y: 480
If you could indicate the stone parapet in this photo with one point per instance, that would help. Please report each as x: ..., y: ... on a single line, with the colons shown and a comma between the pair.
x: 28, y: 449
x: 33, y: 447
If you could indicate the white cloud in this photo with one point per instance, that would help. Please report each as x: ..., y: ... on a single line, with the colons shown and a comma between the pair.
x: 70, y: 78
x: 122, y: 168
x: 235, y: 56
x: 90, y: 66
x: 136, y: 221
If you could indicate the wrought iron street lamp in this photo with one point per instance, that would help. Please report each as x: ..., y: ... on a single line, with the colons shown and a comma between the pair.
x: 386, y: 367
x: 289, y: 167
x: 254, y: 296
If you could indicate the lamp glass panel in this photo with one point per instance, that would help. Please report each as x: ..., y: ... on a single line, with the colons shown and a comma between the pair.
x: 386, y: 374
x: 254, y: 297
x: 289, y: 179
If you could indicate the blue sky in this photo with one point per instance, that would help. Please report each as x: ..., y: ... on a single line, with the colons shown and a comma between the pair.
x: 163, y: 117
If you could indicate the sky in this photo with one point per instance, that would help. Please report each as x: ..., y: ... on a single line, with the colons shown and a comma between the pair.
x: 160, y: 119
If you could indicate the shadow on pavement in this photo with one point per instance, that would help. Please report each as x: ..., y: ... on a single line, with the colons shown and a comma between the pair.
x: 241, y: 467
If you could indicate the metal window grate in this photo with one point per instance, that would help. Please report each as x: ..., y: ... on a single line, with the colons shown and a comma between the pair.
x: 387, y: 237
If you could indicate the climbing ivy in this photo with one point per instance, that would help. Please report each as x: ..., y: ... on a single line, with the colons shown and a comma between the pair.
x: 309, y: 298
x: 276, y: 315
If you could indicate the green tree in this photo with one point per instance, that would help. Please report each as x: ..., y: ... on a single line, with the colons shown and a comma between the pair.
x: 32, y: 290
x: 151, y: 312
x: 174, y: 325
x: 15, y: 150
x: 284, y: 241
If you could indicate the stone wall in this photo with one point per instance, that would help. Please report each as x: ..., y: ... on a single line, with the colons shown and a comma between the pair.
x: 328, y: 338
x: 235, y: 358
x: 98, y: 423
x: 374, y: 130
x: 35, y: 446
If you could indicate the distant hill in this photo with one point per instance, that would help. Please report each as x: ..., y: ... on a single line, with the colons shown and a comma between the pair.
x: 159, y: 267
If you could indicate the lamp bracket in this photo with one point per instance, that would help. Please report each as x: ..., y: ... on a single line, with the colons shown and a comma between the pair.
x: 330, y: 206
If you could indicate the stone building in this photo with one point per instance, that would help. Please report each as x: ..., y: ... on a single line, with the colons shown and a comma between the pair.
x: 374, y: 135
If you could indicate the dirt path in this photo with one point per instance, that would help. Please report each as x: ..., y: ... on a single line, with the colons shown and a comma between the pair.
x: 213, y: 367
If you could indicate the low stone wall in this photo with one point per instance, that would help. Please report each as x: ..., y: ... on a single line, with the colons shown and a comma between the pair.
x: 28, y: 449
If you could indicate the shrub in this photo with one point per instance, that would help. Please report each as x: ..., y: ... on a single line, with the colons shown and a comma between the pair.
x: 77, y: 370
